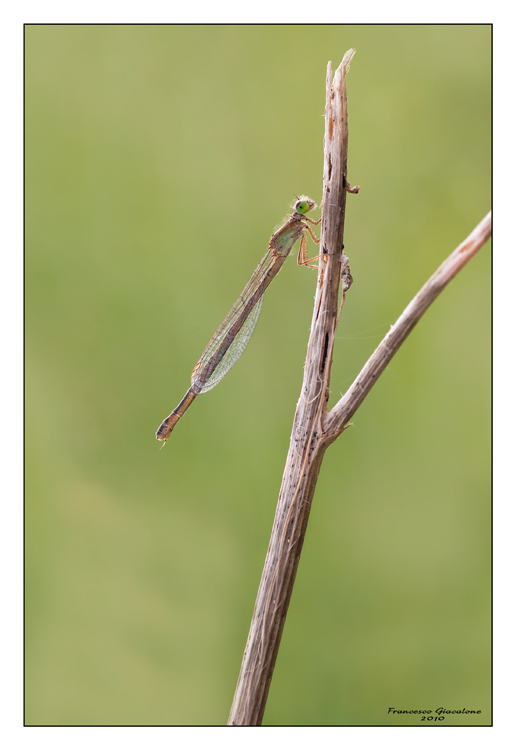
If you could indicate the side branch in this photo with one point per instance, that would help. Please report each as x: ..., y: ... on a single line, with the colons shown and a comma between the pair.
x: 336, y: 420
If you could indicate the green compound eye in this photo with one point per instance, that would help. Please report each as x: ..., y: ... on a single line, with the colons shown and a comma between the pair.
x: 302, y: 207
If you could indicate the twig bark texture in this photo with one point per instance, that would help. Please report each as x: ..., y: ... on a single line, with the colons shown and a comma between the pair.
x: 314, y: 428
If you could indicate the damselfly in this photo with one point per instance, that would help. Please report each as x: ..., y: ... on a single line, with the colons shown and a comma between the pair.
x: 232, y: 336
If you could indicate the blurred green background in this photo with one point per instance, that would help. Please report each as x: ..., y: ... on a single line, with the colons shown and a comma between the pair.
x: 159, y: 160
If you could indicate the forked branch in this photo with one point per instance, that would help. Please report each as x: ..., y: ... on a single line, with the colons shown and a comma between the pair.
x: 314, y: 429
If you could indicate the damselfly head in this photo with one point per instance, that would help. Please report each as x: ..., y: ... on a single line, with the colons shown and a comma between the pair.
x: 304, y: 204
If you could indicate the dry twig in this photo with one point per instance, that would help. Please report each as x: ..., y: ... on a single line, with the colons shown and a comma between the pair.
x: 314, y: 429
